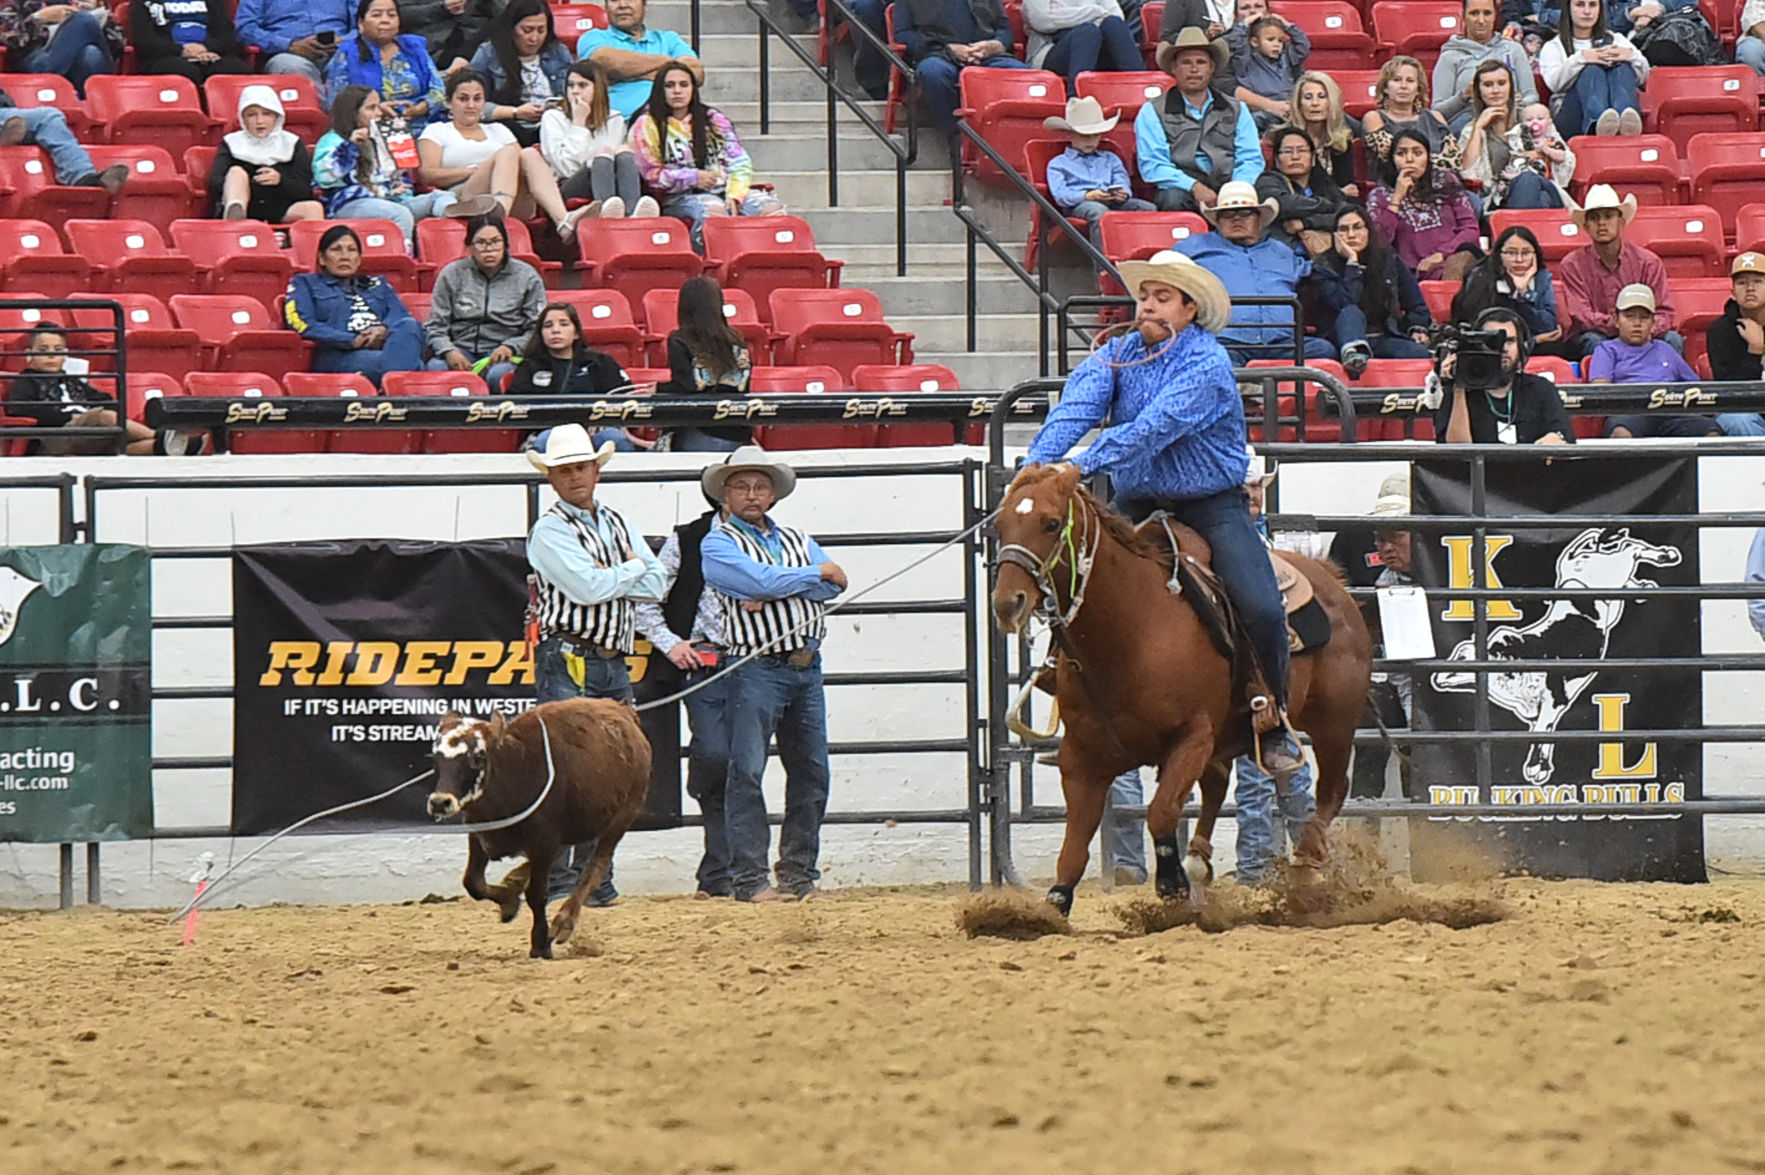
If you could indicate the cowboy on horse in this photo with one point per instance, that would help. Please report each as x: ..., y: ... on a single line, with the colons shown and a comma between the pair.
x: 1173, y: 440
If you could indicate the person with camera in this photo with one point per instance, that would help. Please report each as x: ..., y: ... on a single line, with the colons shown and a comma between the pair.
x: 298, y: 35
x: 1482, y: 394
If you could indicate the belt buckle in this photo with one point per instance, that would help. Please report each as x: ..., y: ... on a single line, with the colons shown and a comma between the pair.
x: 800, y: 658
x: 606, y: 652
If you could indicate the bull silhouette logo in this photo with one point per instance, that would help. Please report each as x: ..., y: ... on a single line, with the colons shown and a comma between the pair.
x: 1578, y: 629
x: 14, y: 587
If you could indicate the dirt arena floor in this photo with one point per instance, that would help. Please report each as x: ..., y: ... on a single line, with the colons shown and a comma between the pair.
x: 1597, y: 1028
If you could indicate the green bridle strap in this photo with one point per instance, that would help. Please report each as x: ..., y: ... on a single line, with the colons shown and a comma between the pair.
x: 1072, y: 552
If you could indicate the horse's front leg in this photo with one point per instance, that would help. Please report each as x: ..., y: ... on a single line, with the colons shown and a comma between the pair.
x: 1198, y: 865
x: 1179, y: 771
x: 1085, y: 792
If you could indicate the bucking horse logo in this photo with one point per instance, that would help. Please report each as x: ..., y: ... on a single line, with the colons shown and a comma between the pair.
x: 14, y: 587
x: 1578, y: 629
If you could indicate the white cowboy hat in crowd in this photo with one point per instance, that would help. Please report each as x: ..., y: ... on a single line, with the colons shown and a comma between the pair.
x: 1261, y: 472
x: 1238, y: 194
x: 1390, y: 504
x: 1192, y: 38
x: 1602, y: 196
x: 1212, y: 306
x: 567, y: 444
x: 749, y: 458
x: 1084, y: 116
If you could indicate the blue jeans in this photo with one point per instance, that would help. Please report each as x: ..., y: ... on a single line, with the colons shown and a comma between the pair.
x: 937, y: 80
x: 868, y: 65
x: 1243, y: 353
x: 622, y: 443
x: 707, y: 773
x: 77, y: 52
x: 1093, y: 212
x: 403, y: 351
x: 404, y: 213
x: 1741, y: 424
x: 1531, y: 190
x: 47, y: 127
x: 1258, y: 845
x: 601, y: 678
x: 768, y: 699
x: 296, y: 64
x: 1107, y: 45
x: 1351, y: 327
x: 1129, y: 832
x: 695, y: 207
x: 1597, y: 89
x: 1750, y: 51
x: 697, y: 440
x: 1242, y: 564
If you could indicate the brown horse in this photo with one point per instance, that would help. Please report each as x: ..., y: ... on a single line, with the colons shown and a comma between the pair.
x: 1149, y: 687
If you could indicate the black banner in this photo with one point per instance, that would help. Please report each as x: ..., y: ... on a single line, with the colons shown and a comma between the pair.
x: 1584, y: 696
x: 345, y: 657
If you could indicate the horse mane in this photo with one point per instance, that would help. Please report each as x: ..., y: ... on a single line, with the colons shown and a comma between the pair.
x: 1126, y: 533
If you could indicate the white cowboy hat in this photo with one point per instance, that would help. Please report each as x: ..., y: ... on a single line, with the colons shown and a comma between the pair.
x: 1212, y: 306
x: 749, y: 458
x: 1391, y: 504
x: 1238, y: 194
x: 567, y: 444
x: 1084, y: 116
x: 1192, y: 38
x: 1602, y: 196
x: 1261, y: 472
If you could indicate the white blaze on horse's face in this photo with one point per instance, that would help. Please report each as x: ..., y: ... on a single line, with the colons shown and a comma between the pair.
x: 460, y: 753
x: 1024, y: 507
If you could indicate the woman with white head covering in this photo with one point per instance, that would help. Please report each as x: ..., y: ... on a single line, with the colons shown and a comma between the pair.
x: 263, y: 171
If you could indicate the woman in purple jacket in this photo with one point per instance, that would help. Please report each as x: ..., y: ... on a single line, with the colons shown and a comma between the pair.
x: 1424, y: 212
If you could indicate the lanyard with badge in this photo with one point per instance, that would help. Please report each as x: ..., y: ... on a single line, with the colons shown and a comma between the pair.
x: 1505, y: 432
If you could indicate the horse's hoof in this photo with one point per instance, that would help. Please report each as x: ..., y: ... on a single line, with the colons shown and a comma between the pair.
x: 544, y: 952
x: 562, y: 929
x: 1173, y: 882
x: 1060, y: 897
x: 1305, y: 889
x: 508, y: 910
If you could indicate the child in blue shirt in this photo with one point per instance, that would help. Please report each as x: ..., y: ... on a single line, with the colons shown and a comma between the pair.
x: 1085, y: 180
x: 1267, y: 64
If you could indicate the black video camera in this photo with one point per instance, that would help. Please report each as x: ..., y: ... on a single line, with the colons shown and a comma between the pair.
x: 1480, y: 352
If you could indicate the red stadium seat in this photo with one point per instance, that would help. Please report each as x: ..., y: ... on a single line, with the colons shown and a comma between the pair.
x: 1698, y: 302
x: 50, y: 89
x: 570, y: 21
x: 661, y: 314
x: 814, y: 381
x: 1396, y: 373
x: 238, y: 334
x: 607, y: 324
x: 28, y: 189
x: 155, y: 342
x: 348, y: 386
x: 1319, y: 425
x: 441, y: 240
x: 1726, y: 171
x: 1357, y: 90
x: 1749, y: 228
x: 1123, y: 93
x: 1559, y: 371
x: 1683, y: 101
x: 252, y: 388
x: 161, y: 109
x: 235, y: 257
x: 1687, y: 238
x: 636, y: 255
x: 133, y: 256
x: 156, y: 191
x: 32, y: 258
x: 1558, y: 236
x: 836, y: 328
x: 304, y: 113
x: 1135, y: 236
x: 150, y: 385
x: 1415, y: 29
x: 760, y: 254
x: 383, y: 249
x: 1006, y: 108
x: 455, y: 384
x: 1439, y: 296
x: 1646, y: 166
x: 1151, y: 19
x: 15, y: 324
x: 915, y: 377
x: 1338, y: 38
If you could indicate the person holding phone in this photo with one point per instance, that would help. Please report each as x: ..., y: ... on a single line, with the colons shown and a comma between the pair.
x: 298, y: 35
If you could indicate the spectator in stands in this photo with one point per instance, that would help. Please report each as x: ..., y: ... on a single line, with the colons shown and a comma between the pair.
x: 392, y: 64
x: 584, y: 143
x: 262, y: 171
x: 632, y: 55
x: 472, y: 158
x: 1525, y: 410
x: 1194, y: 139
x: 485, y: 306
x: 1749, y: 50
x: 1477, y: 42
x: 556, y: 362
x: 1593, y: 74
x: 1628, y: 16
x: 452, y: 30
x: 46, y: 127
x: 1737, y: 339
x: 1215, y: 19
x: 1400, y: 103
x: 706, y: 357
x: 945, y: 37
x: 1268, y: 65
x: 1377, y: 308
x: 299, y: 35
x: 191, y: 38
x: 869, y: 67
x: 1514, y: 276
x: 1635, y: 356
x: 357, y: 176
x: 1084, y: 179
x: 1070, y: 37
x: 1250, y: 265
x: 689, y: 153
x: 523, y: 64
x: 1517, y: 163
x: 1424, y: 212
x: 50, y: 396
x: 1317, y: 110
x: 355, y: 321
x: 1307, y: 198
x: 1593, y: 274
x: 73, y: 40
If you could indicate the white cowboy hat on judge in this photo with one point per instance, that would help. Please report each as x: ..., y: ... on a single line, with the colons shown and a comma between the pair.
x: 1238, y: 194
x: 749, y: 458
x: 1261, y: 471
x: 1602, y: 196
x: 567, y: 444
x: 1084, y: 116
x: 1212, y: 306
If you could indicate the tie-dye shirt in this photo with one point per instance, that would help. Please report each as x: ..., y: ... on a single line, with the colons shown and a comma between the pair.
x: 667, y: 165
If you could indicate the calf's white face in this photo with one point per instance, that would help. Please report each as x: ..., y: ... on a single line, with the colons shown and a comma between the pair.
x: 461, y: 751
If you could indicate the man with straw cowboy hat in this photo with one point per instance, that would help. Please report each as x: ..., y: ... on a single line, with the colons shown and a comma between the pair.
x: 1592, y: 277
x: 590, y: 565
x: 1173, y: 439
x: 1195, y: 138
x: 1085, y: 180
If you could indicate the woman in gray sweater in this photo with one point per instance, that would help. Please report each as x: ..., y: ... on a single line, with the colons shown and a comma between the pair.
x: 485, y: 306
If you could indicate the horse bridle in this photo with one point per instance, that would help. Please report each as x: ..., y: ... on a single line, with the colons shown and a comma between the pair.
x: 1080, y: 553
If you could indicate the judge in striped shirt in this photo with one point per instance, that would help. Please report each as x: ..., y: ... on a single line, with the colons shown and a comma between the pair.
x: 772, y: 584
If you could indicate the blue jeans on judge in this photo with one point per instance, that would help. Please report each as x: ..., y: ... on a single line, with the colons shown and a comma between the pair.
x: 1128, y: 832
x: 938, y: 80
x: 768, y: 699
x: 602, y: 677
x: 402, y: 351
x: 707, y: 771
x: 1107, y: 45
x: 76, y: 52
x: 1597, y: 89
x: 1256, y: 798
x: 1351, y: 327
x: 47, y: 128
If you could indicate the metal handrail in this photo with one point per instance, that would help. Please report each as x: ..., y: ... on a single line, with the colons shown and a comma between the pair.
x: 118, y: 435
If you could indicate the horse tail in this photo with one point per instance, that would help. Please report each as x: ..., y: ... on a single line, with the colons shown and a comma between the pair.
x: 1391, y: 745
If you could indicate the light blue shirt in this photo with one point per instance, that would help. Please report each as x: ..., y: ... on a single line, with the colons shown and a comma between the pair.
x: 1756, y: 577
x: 1153, y: 147
x: 557, y: 554
x: 1071, y: 175
x: 1267, y: 269
x: 630, y: 97
x: 707, y: 616
x: 731, y: 571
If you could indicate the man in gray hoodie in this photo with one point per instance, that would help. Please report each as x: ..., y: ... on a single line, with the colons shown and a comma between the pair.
x: 1477, y: 42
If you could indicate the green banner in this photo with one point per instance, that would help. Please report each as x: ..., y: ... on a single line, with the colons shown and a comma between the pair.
x: 76, y: 735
